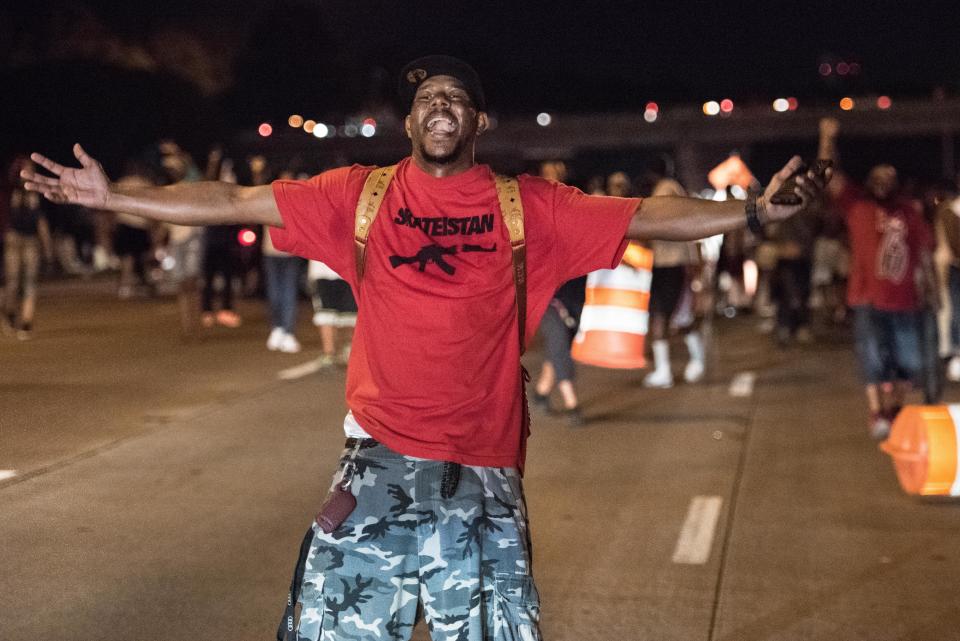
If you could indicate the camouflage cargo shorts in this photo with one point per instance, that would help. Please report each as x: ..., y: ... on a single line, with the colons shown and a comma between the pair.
x: 464, y: 562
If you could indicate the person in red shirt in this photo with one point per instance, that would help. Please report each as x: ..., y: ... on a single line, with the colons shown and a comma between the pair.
x: 436, y: 421
x: 891, y: 280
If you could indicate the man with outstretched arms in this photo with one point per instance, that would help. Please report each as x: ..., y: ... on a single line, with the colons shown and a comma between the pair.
x: 437, y: 423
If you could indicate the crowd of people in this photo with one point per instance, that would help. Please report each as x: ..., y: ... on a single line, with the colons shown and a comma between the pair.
x: 205, y: 268
x: 438, y: 421
x: 878, y: 258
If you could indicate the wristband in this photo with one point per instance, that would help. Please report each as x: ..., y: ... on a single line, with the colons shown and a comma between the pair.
x: 753, y: 217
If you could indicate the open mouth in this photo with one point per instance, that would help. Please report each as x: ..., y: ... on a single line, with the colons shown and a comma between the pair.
x: 441, y: 125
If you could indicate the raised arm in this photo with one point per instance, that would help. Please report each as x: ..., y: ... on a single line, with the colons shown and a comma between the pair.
x: 197, y: 203
x: 678, y: 218
x: 827, y: 148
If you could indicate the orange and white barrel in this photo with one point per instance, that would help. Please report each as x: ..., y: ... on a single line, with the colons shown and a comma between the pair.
x: 613, y: 325
x: 923, y: 443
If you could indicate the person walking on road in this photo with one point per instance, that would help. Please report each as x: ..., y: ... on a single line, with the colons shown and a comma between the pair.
x: 427, y: 507
x: 334, y: 312
x: 27, y: 239
x: 558, y: 328
x: 675, y: 265
x: 891, y: 280
x: 282, y: 273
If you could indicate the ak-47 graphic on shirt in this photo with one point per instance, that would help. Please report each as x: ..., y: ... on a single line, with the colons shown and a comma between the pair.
x: 436, y: 254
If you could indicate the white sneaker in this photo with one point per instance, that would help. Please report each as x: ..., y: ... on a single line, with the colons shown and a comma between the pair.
x: 289, y: 344
x: 953, y: 370
x: 276, y: 337
x: 694, y: 372
x: 658, y: 378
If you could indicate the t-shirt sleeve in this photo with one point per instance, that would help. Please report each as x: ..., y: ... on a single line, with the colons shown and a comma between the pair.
x: 590, y: 230
x: 317, y: 216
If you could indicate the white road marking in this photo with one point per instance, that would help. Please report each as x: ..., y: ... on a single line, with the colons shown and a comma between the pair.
x: 7, y: 474
x: 696, y: 535
x: 742, y: 384
x: 299, y: 371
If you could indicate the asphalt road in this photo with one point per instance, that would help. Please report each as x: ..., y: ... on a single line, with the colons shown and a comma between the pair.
x: 153, y: 489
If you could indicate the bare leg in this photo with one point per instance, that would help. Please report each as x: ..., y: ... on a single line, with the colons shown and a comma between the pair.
x: 873, y: 398
x: 547, y: 379
x: 27, y: 308
x: 568, y: 393
x: 12, y: 271
x: 327, y: 342
x: 126, y: 276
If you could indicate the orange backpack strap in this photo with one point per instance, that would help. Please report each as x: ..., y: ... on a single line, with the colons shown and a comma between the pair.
x: 368, y: 206
x: 511, y: 208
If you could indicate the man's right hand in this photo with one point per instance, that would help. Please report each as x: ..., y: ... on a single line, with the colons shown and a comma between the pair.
x: 87, y: 185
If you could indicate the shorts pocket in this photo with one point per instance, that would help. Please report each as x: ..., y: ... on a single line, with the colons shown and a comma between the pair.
x: 516, y: 608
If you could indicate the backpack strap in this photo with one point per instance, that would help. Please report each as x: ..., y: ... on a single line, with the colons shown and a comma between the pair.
x: 511, y: 208
x: 368, y: 206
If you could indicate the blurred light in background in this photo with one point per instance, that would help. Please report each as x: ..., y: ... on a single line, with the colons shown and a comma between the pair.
x: 308, y: 126
x: 351, y: 130
x: 843, y: 68
x: 296, y: 120
x: 726, y: 105
x: 884, y: 102
x: 711, y: 108
x: 544, y: 119
x: 847, y: 103
x: 651, y: 112
x: 320, y: 130
x: 792, y: 104
x: 781, y: 105
x: 826, y: 69
x: 246, y: 237
x: 367, y: 131
x: 265, y: 129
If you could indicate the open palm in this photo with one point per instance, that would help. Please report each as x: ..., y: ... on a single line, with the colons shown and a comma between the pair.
x: 87, y: 185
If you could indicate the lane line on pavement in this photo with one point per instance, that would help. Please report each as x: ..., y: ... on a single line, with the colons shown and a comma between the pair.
x: 696, y: 535
x: 7, y: 474
x: 299, y: 371
x: 742, y: 384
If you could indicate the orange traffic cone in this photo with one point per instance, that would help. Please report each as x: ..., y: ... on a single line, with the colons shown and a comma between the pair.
x: 613, y: 325
x: 923, y: 443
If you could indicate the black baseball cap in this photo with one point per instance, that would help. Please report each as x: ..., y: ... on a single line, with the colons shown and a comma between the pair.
x: 417, y: 71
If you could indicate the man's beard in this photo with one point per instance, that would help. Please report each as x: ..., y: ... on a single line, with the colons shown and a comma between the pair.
x: 445, y: 159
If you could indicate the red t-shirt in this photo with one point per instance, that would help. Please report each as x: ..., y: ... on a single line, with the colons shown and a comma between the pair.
x: 886, y: 243
x: 434, y: 366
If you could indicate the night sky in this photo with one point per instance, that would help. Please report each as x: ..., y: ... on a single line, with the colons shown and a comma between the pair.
x: 263, y: 60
